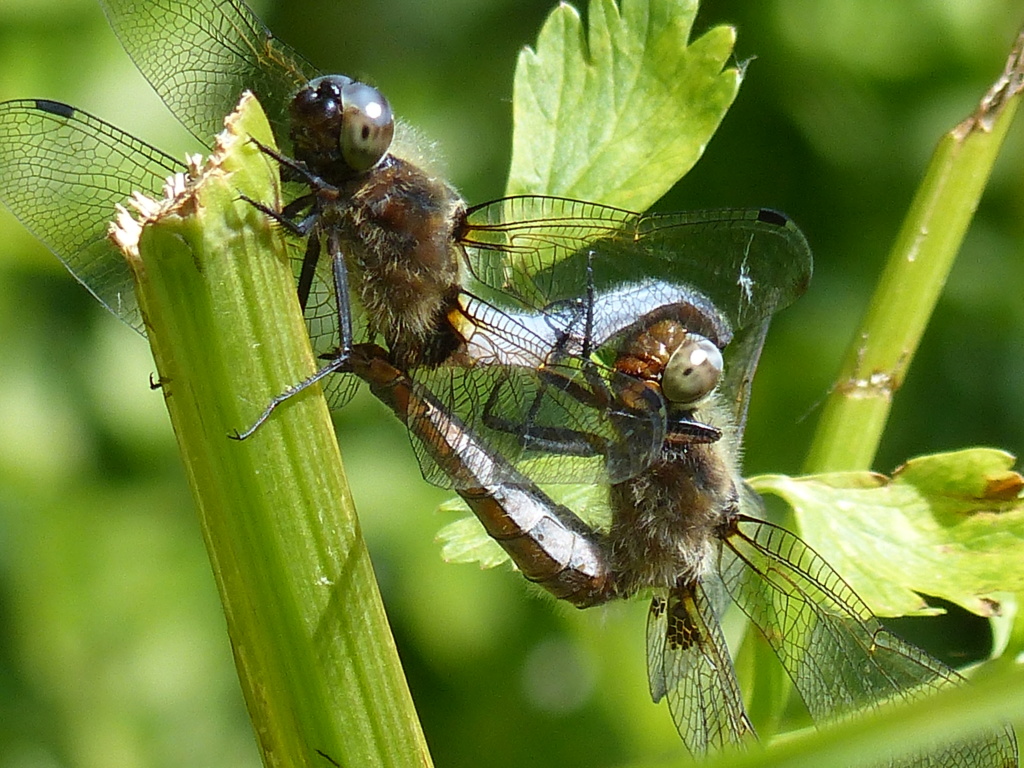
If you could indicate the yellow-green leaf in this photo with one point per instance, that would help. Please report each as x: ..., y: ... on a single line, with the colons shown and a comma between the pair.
x: 949, y: 525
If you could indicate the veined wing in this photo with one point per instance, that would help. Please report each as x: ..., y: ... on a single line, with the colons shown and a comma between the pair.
x: 839, y: 656
x: 688, y: 662
x: 62, y: 171
x: 199, y: 55
x: 530, y: 387
x: 741, y: 360
x: 749, y: 263
x: 553, y: 425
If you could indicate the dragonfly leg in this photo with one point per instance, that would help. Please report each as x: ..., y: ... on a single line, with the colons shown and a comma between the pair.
x: 300, y: 228
x: 336, y: 365
x: 338, y: 362
x: 308, y: 271
x: 288, y: 217
x: 339, y: 271
x: 296, y: 170
x: 683, y: 431
x: 321, y: 193
x: 596, y: 393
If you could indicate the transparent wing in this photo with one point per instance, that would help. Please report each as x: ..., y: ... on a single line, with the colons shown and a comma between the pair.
x: 63, y: 170
x: 61, y: 173
x: 741, y: 265
x: 200, y: 55
x: 839, y: 656
x: 741, y: 358
x: 555, y: 425
x: 749, y: 263
x: 688, y: 662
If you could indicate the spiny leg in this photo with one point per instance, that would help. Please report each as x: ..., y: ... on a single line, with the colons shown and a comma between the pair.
x: 338, y: 362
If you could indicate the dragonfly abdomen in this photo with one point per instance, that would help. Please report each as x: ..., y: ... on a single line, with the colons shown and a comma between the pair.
x: 549, y: 544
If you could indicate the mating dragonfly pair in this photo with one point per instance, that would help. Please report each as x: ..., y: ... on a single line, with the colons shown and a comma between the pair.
x: 528, y: 340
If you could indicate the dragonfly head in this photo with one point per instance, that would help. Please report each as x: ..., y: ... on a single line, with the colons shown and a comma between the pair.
x: 692, y: 371
x: 340, y: 127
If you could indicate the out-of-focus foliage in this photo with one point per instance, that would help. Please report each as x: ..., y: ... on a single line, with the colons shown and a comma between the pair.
x: 112, y: 646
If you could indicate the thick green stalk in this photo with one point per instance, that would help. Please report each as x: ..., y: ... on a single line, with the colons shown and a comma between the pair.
x: 313, y: 649
x: 877, y: 360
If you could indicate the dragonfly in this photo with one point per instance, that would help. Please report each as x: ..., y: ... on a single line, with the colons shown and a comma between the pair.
x: 690, y: 530
x: 462, y: 296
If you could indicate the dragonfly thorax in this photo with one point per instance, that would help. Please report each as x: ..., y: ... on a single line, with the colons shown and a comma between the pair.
x: 394, y: 226
x: 666, y: 519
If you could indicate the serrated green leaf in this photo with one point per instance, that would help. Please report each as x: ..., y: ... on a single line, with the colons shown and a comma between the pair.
x: 949, y: 525
x: 619, y: 115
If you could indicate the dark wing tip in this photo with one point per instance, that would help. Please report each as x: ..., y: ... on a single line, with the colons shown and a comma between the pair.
x: 771, y: 216
x: 55, y: 108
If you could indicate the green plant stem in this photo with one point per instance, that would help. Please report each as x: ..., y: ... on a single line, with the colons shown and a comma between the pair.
x: 314, y: 652
x: 877, y: 360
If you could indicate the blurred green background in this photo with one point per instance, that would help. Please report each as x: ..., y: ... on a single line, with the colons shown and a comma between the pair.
x: 112, y: 644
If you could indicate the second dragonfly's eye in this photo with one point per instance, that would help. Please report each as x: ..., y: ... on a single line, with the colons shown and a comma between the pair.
x: 692, y: 372
x: 367, y: 128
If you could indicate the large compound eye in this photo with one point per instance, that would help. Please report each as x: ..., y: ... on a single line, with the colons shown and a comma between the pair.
x: 367, y: 126
x: 692, y: 372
